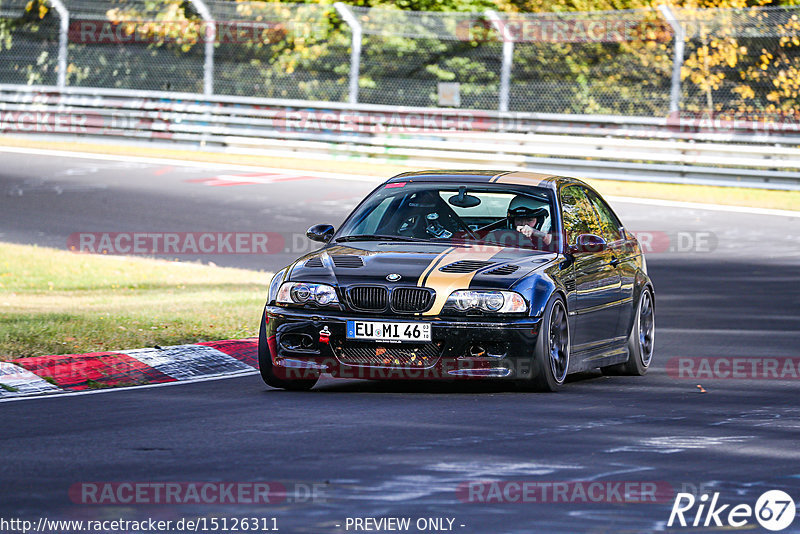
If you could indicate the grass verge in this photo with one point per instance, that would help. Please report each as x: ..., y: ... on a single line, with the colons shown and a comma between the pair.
x: 59, y: 302
x: 732, y: 196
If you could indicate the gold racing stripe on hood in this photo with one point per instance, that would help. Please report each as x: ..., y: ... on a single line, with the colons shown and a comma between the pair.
x: 446, y: 283
x: 434, y: 263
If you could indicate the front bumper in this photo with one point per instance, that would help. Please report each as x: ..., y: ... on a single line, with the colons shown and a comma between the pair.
x: 462, y: 347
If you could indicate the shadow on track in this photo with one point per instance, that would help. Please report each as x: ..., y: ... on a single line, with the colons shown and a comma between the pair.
x: 464, y: 386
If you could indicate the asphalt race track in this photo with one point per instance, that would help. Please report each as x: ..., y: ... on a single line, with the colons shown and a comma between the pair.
x: 374, y: 449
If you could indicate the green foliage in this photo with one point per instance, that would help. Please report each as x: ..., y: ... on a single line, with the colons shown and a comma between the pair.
x: 5, y: 31
x: 303, y: 52
x: 423, y: 5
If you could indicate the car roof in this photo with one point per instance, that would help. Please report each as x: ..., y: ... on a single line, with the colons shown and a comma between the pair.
x: 532, y: 179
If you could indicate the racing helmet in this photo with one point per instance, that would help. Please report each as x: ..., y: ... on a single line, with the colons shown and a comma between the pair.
x: 523, y: 206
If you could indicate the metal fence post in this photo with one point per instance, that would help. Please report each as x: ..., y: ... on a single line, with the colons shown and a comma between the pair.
x: 677, y: 62
x: 63, y: 36
x: 508, y: 56
x: 355, y: 53
x: 210, y: 38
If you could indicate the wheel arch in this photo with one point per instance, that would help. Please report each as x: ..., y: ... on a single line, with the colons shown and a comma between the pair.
x: 542, y: 290
x: 641, y: 283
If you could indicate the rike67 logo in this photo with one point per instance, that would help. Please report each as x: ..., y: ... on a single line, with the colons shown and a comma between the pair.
x: 774, y: 510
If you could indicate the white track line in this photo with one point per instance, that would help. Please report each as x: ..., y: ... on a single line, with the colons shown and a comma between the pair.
x: 189, y: 163
x: 60, y: 395
x: 23, y: 381
x: 364, y: 178
x: 700, y: 206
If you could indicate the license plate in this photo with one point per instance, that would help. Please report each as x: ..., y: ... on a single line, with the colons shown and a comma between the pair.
x: 380, y: 331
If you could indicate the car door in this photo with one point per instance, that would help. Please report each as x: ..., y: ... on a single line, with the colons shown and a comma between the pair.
x: 621, y: 254
x: 595, y: 309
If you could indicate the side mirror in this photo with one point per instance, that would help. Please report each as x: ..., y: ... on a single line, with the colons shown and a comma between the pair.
x: 320, y: 232
x: 588, y: 243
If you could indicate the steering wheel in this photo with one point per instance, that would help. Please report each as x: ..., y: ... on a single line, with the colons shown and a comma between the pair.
x: 491, y: 226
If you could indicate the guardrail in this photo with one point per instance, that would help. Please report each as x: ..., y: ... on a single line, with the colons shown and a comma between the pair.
x: 672, y: 150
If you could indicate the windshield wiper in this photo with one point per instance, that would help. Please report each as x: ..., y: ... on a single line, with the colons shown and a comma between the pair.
x: 376, y: 238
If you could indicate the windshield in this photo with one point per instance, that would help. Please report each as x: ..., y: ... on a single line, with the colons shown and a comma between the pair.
x: 451, y: 213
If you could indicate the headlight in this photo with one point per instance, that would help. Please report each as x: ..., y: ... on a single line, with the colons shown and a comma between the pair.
x: 272, y: 294
x: 489, y: 301
x: 306, y: 293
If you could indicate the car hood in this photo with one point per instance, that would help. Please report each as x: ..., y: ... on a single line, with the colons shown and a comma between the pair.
x: 419, y: 264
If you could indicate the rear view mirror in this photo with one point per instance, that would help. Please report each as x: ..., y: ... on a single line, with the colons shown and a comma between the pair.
x: 320, y: 232
x: 464, y: 200
x: 588, y: 243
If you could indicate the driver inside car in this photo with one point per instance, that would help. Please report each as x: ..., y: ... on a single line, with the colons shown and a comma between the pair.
x: 525, y: 222
x: 526, y: 216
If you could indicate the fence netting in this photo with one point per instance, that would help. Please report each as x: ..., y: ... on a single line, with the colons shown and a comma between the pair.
x: 609, y: 62
x: 28, y: 43
x: 741, y: 59
x: 606, y: 62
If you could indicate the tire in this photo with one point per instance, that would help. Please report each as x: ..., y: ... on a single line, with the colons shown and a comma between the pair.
x: 640, y: 341
x: 552, y: 351
x: 267, y: 369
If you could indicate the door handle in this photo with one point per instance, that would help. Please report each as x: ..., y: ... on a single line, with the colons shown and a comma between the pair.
x: 614, y: 261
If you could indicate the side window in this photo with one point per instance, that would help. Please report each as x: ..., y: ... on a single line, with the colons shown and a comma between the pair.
x: 608, y: 221
x: 577, y: 214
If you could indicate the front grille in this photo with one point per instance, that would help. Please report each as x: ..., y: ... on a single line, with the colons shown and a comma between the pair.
x: 503, y: 270
x: 347, y: 261
x: 368, y: 298
x: 465, y: 266
x: 411, y: 299
x: 419, y: 356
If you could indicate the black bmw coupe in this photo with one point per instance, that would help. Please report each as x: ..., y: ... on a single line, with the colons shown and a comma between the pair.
x: 464, y: 274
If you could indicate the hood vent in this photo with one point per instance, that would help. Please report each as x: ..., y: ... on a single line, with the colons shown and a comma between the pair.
x: 503, y: 270
x: 465, y: 266
x: 315, y: 262
x: 346, y: 261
